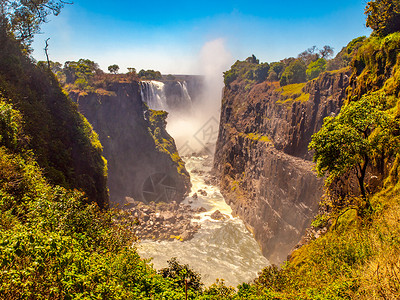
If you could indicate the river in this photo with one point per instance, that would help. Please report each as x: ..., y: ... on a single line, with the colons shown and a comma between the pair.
x: 220, y: 249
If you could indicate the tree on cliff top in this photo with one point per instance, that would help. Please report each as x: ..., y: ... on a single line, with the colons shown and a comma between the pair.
x: 362, y: 133
x: 294, y: 73
x: 113, y: 69
x: 383, y: 16
x: 24, y: 17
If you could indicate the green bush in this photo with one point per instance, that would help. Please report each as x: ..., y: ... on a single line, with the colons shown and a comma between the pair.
x: 315, y: 68
x: 294, y: 73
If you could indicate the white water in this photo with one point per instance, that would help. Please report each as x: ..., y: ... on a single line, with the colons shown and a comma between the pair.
x: 220, y: 249
x: 153, y: 94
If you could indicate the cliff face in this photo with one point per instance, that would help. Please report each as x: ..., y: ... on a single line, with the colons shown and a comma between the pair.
x: 63, y: 142
x: 262, y: 157
x: 143, y: 163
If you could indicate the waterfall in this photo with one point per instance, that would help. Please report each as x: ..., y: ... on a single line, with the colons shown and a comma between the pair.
x: 185, y: 92
x: 169, y: 96
x: 154, y: 95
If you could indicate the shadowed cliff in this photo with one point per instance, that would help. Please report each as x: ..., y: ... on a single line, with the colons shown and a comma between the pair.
x: 262, y: 157
x: 136, y: 145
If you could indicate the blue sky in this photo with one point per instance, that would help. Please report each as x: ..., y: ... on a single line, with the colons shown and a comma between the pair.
x: 170, y: 36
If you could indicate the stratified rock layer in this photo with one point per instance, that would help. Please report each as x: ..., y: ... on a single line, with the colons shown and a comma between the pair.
x: 138, y: 167
x: 262, y: 158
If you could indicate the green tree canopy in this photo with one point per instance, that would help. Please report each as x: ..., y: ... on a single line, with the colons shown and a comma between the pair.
x: 383, y: 16
x: 150, y: 75
x: 362, y: 133
x: 24, y: 17
x: 261, y: 72
x: 294, y: 73
x: 113, y: 69
x: 315, y: 68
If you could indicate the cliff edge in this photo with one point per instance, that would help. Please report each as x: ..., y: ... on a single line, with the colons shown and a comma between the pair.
x: 143, y: 162
x: 262, y: 158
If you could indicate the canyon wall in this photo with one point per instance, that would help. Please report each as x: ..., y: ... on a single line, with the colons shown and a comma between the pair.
x: 143, y: 162
x: 262, y: 158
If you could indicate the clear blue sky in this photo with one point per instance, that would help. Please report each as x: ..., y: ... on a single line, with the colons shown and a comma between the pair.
x: 169, y: 35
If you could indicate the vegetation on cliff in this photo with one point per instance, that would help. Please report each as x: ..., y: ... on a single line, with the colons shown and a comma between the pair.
x: 55, y: 240
x: 56, y: 243
x: 164, y: 142
x: 63, y: 142
x: 358, y: 150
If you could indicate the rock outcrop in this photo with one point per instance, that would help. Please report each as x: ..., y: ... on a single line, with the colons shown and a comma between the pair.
x: 162, y: 222
x: 143, y: 162
x: 262, y: 158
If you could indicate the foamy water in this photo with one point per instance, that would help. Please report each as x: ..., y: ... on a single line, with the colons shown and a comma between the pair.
x: 221, y: 249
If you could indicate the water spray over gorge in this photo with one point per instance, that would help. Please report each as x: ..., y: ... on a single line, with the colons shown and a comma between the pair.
x: 222, y: 247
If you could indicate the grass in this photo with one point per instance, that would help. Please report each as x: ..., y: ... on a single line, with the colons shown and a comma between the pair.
x: 254, y: 136
x: 292, y: 93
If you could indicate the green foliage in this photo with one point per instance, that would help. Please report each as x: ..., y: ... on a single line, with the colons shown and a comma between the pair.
x: 294, y: 73
x: 170, y: 77
x: 10, y: 127
x: 344, y: 57
x: 53, y: 245
x: 219, y: 290
x: 249, y: 70
x: 276, y: 69
x: 24, y: 18
x: 114, y: 69
x: 363, y: 132
x: 252, y: 60
x: 149, y: 75
x: 315, y: 68
x: 80, y: 74
x: 180, y: 273
x: 383, y: 16
x: 61, y: 139
x: 261, y: 72
x: 229, y: 76
x: 376, y: 66
x: 55, y: 67
x: 132, y: 70
x: 163, y: 141
x: 310, y: 55
x: 292, y: 93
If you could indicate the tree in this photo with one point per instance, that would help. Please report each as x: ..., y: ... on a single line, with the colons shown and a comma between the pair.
x: 261, y: 72
x: 83, y: 68
x: 383, y: 16
x: 131, y: 70
x: 179, y: 273
x: 275, y: 71
x: 294, y: 73
x: 253, y: 60
x: 150, y: 75
x: 113, y: 69
x: 315, y: 68
x: 24, y: 17
x: 363, y: 133
x: 326, y: 52
x: 309, y: 55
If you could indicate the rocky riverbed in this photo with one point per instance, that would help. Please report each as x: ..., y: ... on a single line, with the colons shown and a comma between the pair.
x: 163, y: 221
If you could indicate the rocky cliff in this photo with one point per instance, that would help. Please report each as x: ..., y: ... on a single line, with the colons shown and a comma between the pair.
x: 60, y: 139
x: 262, y: 157
x: 143, y: 162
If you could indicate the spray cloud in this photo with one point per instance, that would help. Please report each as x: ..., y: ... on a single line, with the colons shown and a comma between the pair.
x: 194, y: 130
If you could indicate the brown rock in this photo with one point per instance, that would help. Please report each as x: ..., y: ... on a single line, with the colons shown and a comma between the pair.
x: 217, y: 215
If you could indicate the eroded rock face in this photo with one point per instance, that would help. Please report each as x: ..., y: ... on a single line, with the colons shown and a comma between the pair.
x: 262, y: 158
x: 137, y: 165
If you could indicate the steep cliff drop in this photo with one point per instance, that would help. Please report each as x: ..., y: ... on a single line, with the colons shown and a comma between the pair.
x: 143, y: 162
x: 222, y: 247
x: 262, y: 158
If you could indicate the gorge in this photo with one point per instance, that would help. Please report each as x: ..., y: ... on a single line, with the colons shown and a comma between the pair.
x: 261, y: 161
